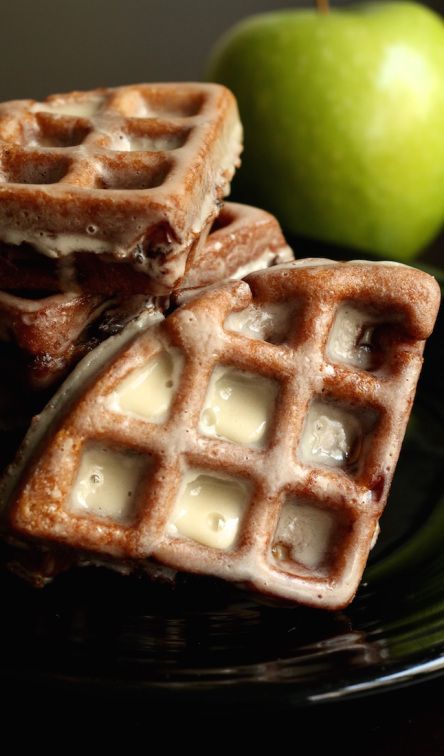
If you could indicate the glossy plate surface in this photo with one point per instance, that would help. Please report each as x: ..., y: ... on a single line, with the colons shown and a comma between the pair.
x: 96, y: 630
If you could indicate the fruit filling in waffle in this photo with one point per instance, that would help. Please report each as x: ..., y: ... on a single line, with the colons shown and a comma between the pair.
x: 252, y: 434
x: 135, y: 174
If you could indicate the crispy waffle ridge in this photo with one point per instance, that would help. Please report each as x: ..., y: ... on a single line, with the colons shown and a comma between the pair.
x: 267, y: 454
x: 242, y: 239
x: 135, y: 172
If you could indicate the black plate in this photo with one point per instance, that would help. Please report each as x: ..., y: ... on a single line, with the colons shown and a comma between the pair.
x: 95, y: 630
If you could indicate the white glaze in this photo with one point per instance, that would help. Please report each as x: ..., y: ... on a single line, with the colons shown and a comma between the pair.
x: 209, y: 509
x: 148, y: 391
x: 305, y: 532
x: 57, y: 245
x: 330, y: 435
x: 344, y: 343
x: 268, y: 258
x: 106, y: 483
x: 79, y: 108
x: 239, y: 406
x: 270, y: 322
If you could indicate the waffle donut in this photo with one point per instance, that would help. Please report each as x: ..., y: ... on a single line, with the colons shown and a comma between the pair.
x: 251, y: 435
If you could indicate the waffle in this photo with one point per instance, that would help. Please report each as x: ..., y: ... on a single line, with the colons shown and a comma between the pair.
x: 40, y: 346
x: 45, y: 332
x: 46, y: 336
x: 136, y: 173
x: 51, y: 332
x: 242, y: 239
x: 251, y: 435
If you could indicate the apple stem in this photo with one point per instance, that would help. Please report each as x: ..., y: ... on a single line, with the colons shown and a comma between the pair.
x: 323, y: 6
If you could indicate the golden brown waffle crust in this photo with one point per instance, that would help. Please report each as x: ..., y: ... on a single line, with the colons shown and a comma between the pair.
x: 136, y: 172
x: 35, y: 493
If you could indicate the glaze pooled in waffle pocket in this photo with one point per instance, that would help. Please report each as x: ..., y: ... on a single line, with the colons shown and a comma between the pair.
x: 251, y: 435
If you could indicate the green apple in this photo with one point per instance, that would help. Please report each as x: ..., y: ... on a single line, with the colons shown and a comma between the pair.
x: 344, y: 121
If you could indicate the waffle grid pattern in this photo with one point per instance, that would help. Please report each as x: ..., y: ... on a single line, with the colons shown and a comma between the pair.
x: 141, y: 169
x: 275, y: 473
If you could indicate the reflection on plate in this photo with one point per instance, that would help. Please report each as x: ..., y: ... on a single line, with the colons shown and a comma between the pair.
x: 94, y: 629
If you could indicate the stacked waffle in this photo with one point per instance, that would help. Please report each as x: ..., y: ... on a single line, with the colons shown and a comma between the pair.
x: 110, y: 200
x: 243, y: 429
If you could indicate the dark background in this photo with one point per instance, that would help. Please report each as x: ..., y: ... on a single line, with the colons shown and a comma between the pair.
x: 58, y: 45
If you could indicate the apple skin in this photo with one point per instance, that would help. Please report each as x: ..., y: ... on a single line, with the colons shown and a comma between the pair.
x: 344, y: 121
